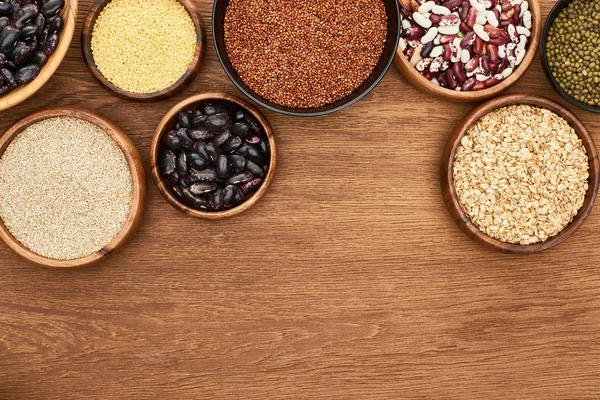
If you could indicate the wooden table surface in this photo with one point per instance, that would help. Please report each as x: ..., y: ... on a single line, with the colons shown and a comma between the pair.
x: 348, y: 280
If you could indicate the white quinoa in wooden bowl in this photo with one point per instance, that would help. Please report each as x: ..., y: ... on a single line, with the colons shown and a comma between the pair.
x: 521, y: 174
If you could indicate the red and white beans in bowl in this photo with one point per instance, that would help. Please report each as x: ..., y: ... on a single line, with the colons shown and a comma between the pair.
x: 465, y: 44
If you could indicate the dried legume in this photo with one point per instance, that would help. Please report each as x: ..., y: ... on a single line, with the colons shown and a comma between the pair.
x: 29, y: 34
x: 215, y: 156
x: 143, y: 47
x: 65, y: 188
x: 465, y: 44
x: 521, y: 174
x: 305, y: 53
x: 573, y: 50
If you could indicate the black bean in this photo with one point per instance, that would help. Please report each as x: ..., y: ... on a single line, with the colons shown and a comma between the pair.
x: 24, y: 15
x: 228, y: 195
x: 171, y: 141
x: 182, y: 163
x: 198, y: 122
x: 10, y: 65
x: 2, y: 59
x: 28, y: 32
x: 52, y: 7
x: 4, y: 22
x: 167, y: 163
x: 186, y: 141
x: 20, y: 53
x: 240, y: 129
x: 427, y: 48
x: 213, y: 151
x: 5, y: 89
x: 50, y: 44
x: 251, y: 186
x: 215, y: 198
x: 185, y: 119
x: 43, y: 37
x: 222, y: 138
x: 54, y: 24
x: 6, y: 9
x: 255, y: 169
x: 238, y: 115
x: 264, y: 147
x: 231, y: 144
x: 27, y: 73
x: 39, y: 58
x: 198, y: 161
x: 40, y: 21
x: 255, y: 127
x: 201, y: 134
x: 255, y: 154
x: 205, y: 175
x: 172, y: 178
x: 200, y: 148
x: 240, y: 177
x: 210, y: 108
x: 8, y: 38
x: 218, y: 122
x: 238, y: 162
x: 178, y: 191
x: 198, y: 202
x: 243, y: 149
x: 203, y: 187
x: 223, y: 167
x: 9, y: 77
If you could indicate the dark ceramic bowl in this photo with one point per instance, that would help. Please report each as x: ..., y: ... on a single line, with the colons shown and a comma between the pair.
x: 389, y: 50
x: 558, y: 7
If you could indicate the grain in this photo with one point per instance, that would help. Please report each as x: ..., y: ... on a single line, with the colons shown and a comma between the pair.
x: 304, y: 53
x: 521, y: 174
x: 65, y: 188
x: 143, y: 47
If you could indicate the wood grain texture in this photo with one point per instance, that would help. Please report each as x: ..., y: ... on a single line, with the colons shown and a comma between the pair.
x: 348, y: 280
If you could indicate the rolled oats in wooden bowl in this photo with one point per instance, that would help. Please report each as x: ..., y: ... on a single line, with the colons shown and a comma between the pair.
x: 520, y: 175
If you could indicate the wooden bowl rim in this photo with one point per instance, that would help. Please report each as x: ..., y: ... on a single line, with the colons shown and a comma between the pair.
x: 447, y: 178
x: 164, y: 126
x: 138, y: 177
x: 420, y: 82
x: 22, y: 93
x: 178, y: 86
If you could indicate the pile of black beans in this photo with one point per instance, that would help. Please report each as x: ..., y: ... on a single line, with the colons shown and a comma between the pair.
x: 215, y: 156
x: 29, y: 33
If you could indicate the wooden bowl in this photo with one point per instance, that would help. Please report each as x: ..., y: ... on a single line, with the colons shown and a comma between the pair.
x: 425, y: 85
x: 22, y: 93
x: 392, y: 10
x: 165, y: 125
x: 447, y: 179
x: 138, y: 177
x: 186, y: 79
x: 558, y: 7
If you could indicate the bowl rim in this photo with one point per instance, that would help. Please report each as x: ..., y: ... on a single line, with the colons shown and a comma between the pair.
x: 556, y: 9
x: 254, y: 96
x: 22, y: 93
x: 138, y: 178
x: 164, y: 126
x: 189, y: 75
x: 449, y: 191
x: 417, y: 80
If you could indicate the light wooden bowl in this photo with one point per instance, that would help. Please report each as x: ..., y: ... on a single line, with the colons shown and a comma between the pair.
x: 138, y: 177
x: 22, y: 93
x: 165, y: 125
x: 425, y: 85
x: 451, y: 198
x: 186, y: 78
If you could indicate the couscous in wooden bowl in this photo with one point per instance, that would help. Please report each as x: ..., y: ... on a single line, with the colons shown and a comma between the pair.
x: 22, y: 93
x: 449, y: 190
x: 138, y: 177
x: 182, y: 83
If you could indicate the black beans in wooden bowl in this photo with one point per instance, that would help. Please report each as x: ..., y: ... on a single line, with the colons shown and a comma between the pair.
x: 213, y: 155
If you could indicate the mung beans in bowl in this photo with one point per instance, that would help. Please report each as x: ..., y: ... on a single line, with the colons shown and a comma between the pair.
x: 306, y: 57
x: 213, y: 156
x: 520, y: 174
x: 571, y: 52
x: 143, y: 50
x: 72, y: 188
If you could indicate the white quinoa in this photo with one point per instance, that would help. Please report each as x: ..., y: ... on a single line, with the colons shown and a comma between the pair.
x: 65, y: 188
x: 143, y: 46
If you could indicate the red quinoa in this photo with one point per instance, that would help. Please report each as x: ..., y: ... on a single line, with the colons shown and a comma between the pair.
x: 305, y: 53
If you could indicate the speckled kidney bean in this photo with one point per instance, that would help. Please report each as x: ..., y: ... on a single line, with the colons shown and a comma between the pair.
x: 465, y: 44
